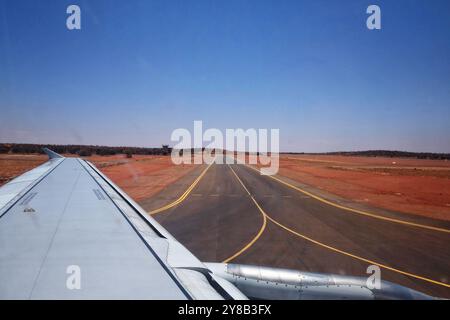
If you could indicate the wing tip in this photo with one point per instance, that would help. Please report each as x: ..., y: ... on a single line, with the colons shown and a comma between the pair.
x: 52, y: 154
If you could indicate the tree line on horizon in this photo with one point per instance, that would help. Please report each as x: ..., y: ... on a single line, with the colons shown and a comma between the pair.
x: 82, y: 150
x: 87, y: 150
x: 387, y: 154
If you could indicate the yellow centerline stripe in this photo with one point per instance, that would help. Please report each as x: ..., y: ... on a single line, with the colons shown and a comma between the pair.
x: 261, y: 230
x: 365, y: 213
x: 333, y: 248
x: 184, y: 195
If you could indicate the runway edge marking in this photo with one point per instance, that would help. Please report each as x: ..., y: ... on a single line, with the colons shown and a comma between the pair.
x: 338, y: 250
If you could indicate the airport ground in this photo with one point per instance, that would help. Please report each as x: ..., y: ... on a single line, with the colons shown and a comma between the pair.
x: 233, y: 214
x: 407, y: 185
x: 296, y: 219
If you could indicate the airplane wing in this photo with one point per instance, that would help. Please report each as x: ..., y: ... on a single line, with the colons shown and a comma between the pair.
x: 66, y: 215
x: 68, y: 232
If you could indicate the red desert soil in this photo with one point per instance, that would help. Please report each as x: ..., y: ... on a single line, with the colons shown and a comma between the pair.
x: 13, y: 165
x: 420, y: 187
x: 414, y: 186
x: 140, y: 177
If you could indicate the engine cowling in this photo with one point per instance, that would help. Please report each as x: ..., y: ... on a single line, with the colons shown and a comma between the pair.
x: 285, y: 284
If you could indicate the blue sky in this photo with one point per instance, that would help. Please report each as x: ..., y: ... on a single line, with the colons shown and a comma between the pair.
x: 137, y: 70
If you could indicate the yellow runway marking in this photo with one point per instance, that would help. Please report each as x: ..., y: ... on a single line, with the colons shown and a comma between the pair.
x: 261, y: 230
x: 266, y: 216
x: 184, y: 195
x: 361, y: 212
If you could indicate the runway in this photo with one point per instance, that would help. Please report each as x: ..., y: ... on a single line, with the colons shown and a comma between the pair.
x: 234, y: 214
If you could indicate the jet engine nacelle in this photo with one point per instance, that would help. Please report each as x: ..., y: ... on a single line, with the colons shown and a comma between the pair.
x: 274, y: 283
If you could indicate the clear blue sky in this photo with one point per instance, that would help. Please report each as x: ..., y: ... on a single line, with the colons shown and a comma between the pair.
x: 139, y: 69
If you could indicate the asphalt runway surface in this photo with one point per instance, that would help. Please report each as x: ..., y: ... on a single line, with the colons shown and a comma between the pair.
x: 234, y: 214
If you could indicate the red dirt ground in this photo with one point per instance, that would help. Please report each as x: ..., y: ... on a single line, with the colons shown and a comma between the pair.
x: 414, y: 186
x: 140, y: 177
x: 13, y: 165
